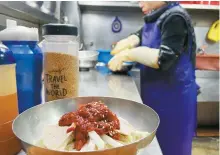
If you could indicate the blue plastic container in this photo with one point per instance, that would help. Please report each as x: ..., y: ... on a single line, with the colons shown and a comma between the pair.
x: 29, y: 60
x: 6, y: 56
x: 104, y: 56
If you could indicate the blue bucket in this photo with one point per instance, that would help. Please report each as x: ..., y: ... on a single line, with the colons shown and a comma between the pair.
x: 104, y: 56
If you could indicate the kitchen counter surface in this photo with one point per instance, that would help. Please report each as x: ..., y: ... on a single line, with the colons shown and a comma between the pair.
x: 93, y: 83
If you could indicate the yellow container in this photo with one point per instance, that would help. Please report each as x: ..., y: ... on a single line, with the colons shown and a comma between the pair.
x: 214, y: 33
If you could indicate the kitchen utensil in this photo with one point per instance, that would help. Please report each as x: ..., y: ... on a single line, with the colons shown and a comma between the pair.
x: 213, y: 33
x: 6, y: 131
x: 29, y: 125
x: 126, y: 67
x: 87, y: 59
x: 116, y: 25
x: 104, y: 56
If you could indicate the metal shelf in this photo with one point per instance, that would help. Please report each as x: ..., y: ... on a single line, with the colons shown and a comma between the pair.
x: 25, y: 12
x: 200, y: 7
x: 108, y: 4
x: 132, y: 5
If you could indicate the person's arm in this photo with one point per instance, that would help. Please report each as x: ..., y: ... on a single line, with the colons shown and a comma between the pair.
x: 173, y: 36
x: 130, y: 42
x: 139, y: 34
x: 173, y: 40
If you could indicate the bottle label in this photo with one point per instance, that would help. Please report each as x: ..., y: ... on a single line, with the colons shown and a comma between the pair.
x: 61, y: 76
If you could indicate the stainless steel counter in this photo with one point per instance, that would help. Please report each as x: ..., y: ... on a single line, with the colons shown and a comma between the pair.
x: 93, y: 83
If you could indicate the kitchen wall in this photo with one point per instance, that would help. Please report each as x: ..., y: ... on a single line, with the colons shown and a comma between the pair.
x: 97, y: 27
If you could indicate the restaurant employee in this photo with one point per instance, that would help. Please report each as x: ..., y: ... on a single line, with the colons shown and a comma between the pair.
x: 165, y: 47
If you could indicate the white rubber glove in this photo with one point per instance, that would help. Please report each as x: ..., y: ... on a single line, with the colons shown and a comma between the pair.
x: 128, y: 43
x: 144, y: 55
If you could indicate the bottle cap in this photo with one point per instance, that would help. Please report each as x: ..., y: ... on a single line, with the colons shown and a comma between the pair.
x: 59, y: 29
x: 18, y: 33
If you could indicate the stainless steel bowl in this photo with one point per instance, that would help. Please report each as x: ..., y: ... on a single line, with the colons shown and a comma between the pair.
x: 87, y: 59
x: 126, y: 67
x: 28, y: 126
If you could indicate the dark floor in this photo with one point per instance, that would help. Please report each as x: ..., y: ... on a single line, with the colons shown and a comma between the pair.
x: 205, y: 146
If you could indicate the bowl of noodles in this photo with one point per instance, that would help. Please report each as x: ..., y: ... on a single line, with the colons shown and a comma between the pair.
x: 86, y: 125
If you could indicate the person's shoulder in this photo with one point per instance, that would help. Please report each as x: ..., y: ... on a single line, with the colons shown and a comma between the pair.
x: 176, y: 16
x: 175, y: 19
x: 175, y: 25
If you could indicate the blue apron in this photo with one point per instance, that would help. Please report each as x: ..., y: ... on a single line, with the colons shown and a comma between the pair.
x: 172, y: 94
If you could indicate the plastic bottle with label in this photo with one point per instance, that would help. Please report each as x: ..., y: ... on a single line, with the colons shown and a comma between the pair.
x: 22, y: 41
x: 61, y: 64
x: 8, y: 102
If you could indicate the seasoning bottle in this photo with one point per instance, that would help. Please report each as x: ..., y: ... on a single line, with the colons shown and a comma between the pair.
x: 22, y: 41
x: 61, y: 64
x: 8, y: 89
x: 8, y: 102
